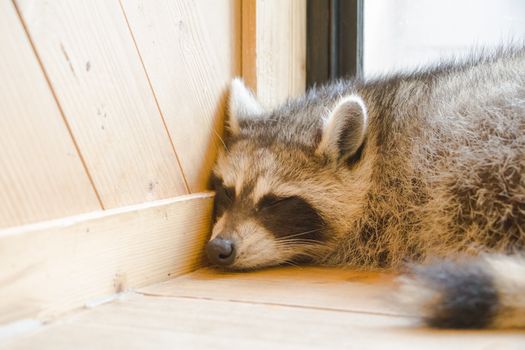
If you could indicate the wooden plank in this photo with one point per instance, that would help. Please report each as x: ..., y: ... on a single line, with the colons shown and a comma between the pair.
x: 53, y: 267
x: 95, y: 70
x: 191, y: 51
x: 293, y: 286
x: 41, y: 174
x: 274, y: 48
x: 140, y: 322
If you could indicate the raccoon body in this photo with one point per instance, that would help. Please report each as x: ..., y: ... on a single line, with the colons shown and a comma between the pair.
x: 378, y: 173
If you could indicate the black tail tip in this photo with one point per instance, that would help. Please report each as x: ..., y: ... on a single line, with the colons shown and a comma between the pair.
x: 452, y: 295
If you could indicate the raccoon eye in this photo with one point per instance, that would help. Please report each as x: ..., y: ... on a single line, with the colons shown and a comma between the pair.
x: 224, y: 194
x: 270, y: 201
x: 221, y: 191
x: 224, y: 197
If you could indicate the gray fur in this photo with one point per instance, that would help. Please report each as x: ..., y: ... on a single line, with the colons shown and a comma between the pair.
x: 466, y: 295
x: 439, y: 172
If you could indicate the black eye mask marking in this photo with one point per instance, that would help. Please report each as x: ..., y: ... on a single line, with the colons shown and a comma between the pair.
x: 269, y: 201
x: 224, y: 197
x: 290, y: 217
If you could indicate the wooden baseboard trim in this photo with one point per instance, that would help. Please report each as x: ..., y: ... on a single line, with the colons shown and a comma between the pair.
x: 52, y: 267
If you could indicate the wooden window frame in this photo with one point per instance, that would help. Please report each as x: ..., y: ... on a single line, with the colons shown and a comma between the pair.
x: 334, y: 40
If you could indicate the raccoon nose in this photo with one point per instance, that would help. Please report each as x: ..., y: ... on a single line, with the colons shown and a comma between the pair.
x: 220, y: 251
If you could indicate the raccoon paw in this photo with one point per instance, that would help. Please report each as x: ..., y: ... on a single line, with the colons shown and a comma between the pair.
x: 451, y: 295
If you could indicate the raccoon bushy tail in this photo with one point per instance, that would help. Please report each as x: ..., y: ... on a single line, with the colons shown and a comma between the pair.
x: 483, y: 292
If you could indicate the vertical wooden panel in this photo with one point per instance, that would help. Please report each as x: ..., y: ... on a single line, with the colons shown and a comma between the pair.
x: 274, y: 48
x: 191, y: 50
x: 41, y: 174
x: 92, y: 63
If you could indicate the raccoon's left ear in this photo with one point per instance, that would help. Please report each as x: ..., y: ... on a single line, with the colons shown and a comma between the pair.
x: 242, y: 105
x: 344, y: 130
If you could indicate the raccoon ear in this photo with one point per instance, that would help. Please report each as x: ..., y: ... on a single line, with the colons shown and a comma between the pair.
x: 242, y: 105
x: 344, y: 130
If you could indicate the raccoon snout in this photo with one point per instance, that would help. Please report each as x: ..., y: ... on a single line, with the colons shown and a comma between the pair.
x: 220, y: 251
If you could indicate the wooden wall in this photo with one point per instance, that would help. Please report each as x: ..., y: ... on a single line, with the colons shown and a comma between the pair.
x: 111, y: 117
x: 108, y: 103
x: 274, y: 48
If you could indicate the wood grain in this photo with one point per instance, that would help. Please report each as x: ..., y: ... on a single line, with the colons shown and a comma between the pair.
x: 287, y: 286
x: 95, y: 70
x: 191, y: 51
x: 274, y: 48
x: 41, y: 173
x: 53, y: 267
x: 167, y: 322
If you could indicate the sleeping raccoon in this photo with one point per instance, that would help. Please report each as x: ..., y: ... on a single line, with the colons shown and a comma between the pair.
x: 423, y: 168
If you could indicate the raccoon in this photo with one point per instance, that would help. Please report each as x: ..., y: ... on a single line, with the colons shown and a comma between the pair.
x: 422, y: 168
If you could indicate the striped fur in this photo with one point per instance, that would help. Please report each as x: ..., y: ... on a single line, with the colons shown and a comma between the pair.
x: 378, y: 173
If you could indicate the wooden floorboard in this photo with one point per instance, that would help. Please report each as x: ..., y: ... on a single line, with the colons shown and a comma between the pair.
x: 295, y: 308
x: 324, y: 288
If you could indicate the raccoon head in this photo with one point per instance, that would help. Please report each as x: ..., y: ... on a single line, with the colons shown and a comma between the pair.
x: 289, y: 181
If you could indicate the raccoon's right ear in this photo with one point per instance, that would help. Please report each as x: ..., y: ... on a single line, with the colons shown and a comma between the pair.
x: 242, y: 105
x: 344, y: 130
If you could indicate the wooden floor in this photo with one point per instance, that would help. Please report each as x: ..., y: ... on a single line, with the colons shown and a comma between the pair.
x: 290, y: 308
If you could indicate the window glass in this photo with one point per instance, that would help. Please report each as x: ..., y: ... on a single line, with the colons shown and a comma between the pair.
x: 401, y: 35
